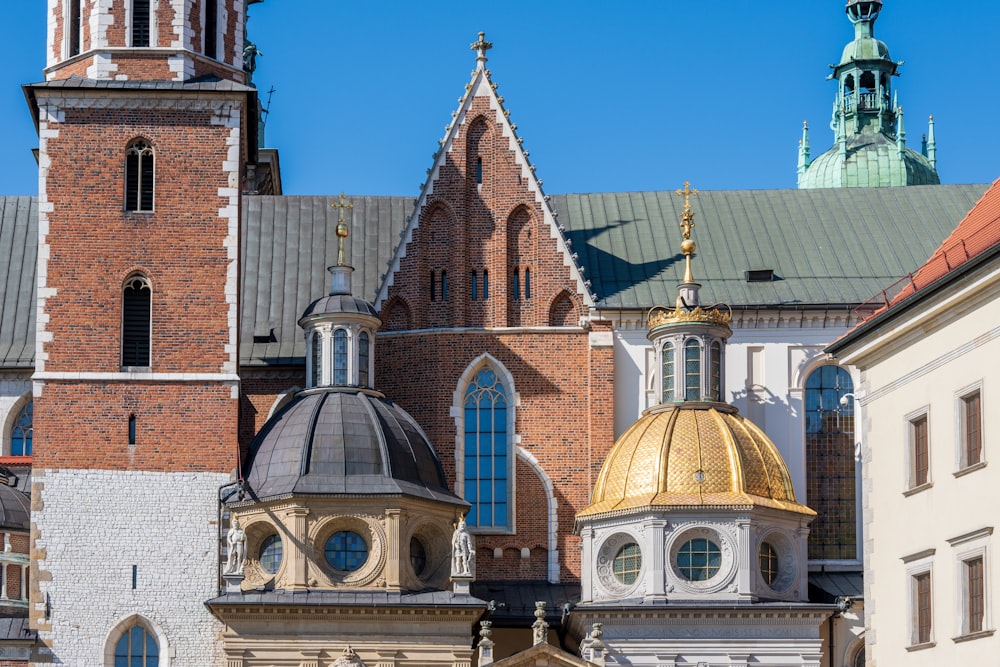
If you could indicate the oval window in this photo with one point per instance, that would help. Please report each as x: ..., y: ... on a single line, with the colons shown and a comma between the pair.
x: 418, y: 556
x: 699, y: 559
x: 346, y: 551
x: 768, y: 563
x: 270, y: 554
x: 627, y: 564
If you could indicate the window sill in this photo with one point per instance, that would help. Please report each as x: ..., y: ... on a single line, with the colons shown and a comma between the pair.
x: 918, y: 489
x: 973, y: 468
x: 136, y: 369
x: 921, y: 647
x: 973, y: 635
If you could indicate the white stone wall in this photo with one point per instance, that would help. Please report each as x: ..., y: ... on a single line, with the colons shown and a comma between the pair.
x: 93, y: 526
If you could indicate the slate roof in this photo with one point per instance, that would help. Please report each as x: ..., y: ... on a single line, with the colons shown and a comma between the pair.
x: 827, y: 247
x: 362, y: 598
x: 826, y: 587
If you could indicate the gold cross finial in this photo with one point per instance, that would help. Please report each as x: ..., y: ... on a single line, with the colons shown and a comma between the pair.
x: 341, y: 226
x: 687, y: 217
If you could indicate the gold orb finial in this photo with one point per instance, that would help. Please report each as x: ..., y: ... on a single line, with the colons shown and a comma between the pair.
x: 342, y: 230
x: 687, y: 224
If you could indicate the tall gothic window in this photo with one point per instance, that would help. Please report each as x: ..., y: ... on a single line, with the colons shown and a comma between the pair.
x: 137, y: 648
x: 340, y: 356
x: 139, y: 176
x: 486, y: 451
x: 137, y: 300
x: 692, y: 370
x: 668, y: 372
x: 475, y: 286
x: 516, y: 286
x: 363, y: 355
x: 20, y: 433
x: 141, y: 22
x: 830, y: 465
x: 486, y: 284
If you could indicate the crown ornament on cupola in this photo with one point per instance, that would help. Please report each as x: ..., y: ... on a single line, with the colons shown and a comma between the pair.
x: 690, y: 338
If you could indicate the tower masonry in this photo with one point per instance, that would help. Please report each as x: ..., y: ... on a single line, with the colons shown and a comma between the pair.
x: 144, y: 130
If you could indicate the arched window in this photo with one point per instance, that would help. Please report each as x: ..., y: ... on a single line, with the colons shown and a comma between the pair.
x: 527, y: 283
x: 516, y: 286
x: 363, y: 359
x: 317, y: 359
x: 340, y: 356
x: 692, y: 370
x: 475, y: 285
x: 139, y: 176
x: 716, y: 366
x: 136, y: 322
x: 668, y: 372
x: 21, y: 431
x: 486, y: 284
x: 140, y: 22
x: 830, y: 464
x: 487, y: 464
x: 137, y: 648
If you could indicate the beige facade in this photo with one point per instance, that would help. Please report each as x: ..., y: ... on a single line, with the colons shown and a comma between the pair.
x: 929, y: 372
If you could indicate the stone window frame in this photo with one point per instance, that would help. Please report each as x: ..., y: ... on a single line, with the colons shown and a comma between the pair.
x: 124, y: 625
x: 73, y: 21
x: 970, y: 547
x: 13, y: 415
x: 205, y: 6
x: 962, y: 396
x: 487, y: 360
x: 142, y: 149
x: 130, y: 14
x: 918, y: 565
x: 129, y: 282
x: 912, y: 423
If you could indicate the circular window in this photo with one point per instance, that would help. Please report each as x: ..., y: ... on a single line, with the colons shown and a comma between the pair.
x: 627, y: 563
x: 768, y: 563
x: 418, y: 556
x: 346, y: 551
x: 699, y: 559
x: 270, y: 554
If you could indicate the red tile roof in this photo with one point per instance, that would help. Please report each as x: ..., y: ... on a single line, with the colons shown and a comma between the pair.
x: 975, y: 234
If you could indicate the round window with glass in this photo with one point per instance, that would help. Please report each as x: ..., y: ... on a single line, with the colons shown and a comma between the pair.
x: 418, y: 556
x: 346, y: 551
x: 699, y: 559
x: 270, y: 554
x: 627, y: 563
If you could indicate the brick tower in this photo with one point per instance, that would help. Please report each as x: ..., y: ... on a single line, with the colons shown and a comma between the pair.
x: 490, y: 341
x: 145, y: 124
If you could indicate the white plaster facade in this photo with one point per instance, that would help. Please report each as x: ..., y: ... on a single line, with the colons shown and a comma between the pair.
x: 921, y: 364
x: 165, y: 525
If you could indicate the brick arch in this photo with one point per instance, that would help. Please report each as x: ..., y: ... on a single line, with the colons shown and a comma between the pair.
x: 520, y: 257
x: 438, y: 230
x: 396, y: 315
x: 562, y: 312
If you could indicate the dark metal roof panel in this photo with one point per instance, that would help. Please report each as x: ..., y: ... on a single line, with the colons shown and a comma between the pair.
x: 827, y: 247
x: 288, y: 241
x: 19, y: 249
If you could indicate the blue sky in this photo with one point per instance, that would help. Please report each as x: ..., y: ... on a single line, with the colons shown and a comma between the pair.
x: 608, y: 96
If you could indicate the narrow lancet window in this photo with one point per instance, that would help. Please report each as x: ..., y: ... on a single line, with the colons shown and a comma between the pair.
x: 136, y: 322
x: 444, y: 285
x: 479, y: 171
x: 363, y: 356
x: 140, y: 22
x: 668, y: 372
x: 516, y: 286
x: 486, y: 284
x: 211, y: 27
x: 486, y: 451
x: 21, y: 432
x: 716, y: 366
x: 340, y: 356
x: 75, y: 24
x: 139, y: 176
x: 317, y: 359
x: 475, y: 285
x: 527, y: 283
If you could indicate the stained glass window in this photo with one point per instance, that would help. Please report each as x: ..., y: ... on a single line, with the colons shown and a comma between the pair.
x: 340, y: 356
x: 486, y: 451
x: 346, y: 551
x: 137, y: 648
x: 20, y: 434
x: 830, y: 464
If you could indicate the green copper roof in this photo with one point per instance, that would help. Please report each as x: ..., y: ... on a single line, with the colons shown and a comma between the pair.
x: 828, y: 247
x: 872, y: 161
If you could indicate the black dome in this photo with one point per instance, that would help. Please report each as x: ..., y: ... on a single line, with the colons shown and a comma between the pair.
x: 335, y: 441
x: 340, y: 303
x: 15, y: 509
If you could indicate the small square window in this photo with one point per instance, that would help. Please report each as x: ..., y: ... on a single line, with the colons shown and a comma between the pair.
x: 971, y: 428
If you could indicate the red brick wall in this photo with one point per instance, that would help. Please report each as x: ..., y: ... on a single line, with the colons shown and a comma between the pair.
x: 258, y: 392
x: 464, y: 228
x: 565, y: 418
x: 95, y: 244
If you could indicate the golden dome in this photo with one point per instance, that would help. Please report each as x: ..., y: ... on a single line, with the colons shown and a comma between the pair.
x: 693, y: 455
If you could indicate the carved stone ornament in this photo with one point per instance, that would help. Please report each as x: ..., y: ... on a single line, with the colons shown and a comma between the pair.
x: 604, y: 566
x: 463, y: 555
x: 348, y: 659
x: 237, y: 541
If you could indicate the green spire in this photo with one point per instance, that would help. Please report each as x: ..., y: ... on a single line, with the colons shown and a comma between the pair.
x: 900, y: 134
x: 931, y: 143
x: 804, y: 149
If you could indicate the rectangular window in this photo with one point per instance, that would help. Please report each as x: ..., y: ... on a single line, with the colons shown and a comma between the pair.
x: 919, y: 452
x: 972, y: 429
x: 75, y: 26
x: 975, y: 595
x: 922, y: 608
x: 140, y: 23
x: 211, y: 27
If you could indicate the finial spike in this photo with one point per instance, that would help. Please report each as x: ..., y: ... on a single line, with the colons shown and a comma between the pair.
x: 804, y: 157
x: 481, y: 47
x: 687, y: 224
x: 931, y: 143
x: 900, y: 134
x: 342, y: 230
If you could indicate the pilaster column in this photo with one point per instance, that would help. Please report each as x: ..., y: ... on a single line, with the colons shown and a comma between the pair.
x: 394, y: 566
x: 653, y: 530
x: 587, y: 563
x: 300, y: 564
x: 745, y: 573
